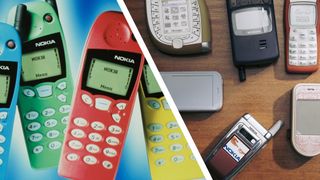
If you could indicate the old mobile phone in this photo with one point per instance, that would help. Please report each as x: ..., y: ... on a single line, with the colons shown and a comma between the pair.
x: 103, y: 101
x: 302, y: 30
x: 253, y: 33
x: 195, y: 90
x: 179, y: 26
x: 10, y: 69
x: 243, y: 142
x: 167, y: 147
x: 46, y: 81
x: 305, y: 134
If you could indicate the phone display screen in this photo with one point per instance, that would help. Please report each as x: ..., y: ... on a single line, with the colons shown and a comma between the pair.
x: 4, y: 88
x: 252, y: 21
x: 303, y: 15
x: 109, y: 77
x: 42, y: 64
x: 308, y: 117
x: 236, y: 148
x: 150, y: 81
x: 175, y: 17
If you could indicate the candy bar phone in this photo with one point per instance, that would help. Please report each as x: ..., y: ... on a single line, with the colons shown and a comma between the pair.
x: 302, y: 29
x: 242, y: 143
x: 46, y: 81
x: 103, y: 102
x: 179, y: 26
x: 167, y: 147
x: 253, y: 33
x: 10, y: 69
x: 305, y: 134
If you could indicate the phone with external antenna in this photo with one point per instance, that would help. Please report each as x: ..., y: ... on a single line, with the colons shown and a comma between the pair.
x: 10, y: 69
x: 46, y: 82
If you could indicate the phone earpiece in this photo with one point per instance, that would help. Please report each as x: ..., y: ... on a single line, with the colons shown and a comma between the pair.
x: 117, y: 34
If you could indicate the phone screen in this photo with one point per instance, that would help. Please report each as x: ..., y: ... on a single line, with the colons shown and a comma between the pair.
x: 308, y: 117
x: 150, y: 81
x: 41, y: 64
x: 109, y: 77
x: 303, y: 15
x: 252, y: 21
x: 4, y: 88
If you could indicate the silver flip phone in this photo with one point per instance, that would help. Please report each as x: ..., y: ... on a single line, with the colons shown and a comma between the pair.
x: 245, y: 139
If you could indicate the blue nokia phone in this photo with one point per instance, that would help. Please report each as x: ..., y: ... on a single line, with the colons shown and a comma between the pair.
x: 10, y: 69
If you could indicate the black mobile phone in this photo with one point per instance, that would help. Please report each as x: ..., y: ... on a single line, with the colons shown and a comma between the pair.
x: 253, y: 33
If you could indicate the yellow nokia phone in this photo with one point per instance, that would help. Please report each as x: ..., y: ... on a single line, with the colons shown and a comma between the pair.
x: 167, y: 148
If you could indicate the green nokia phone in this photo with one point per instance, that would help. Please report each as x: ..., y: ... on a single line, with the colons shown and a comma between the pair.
x: 46, y: 82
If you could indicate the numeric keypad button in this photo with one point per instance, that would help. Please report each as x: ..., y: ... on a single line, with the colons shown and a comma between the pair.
x: 53, y: 134
x: 80, y: 122
x: 36, y: 137
x: 172, y: 125
x: 37, y: 149
x: 65, y: 120
x: 32, y: 115
x: 116, y: 117
x: 92, y: 148
x: 174, y: 136
x: 44, y: 91
x: 62, y: 86
x: 112, y: 141
x: 50, y: 123
x: 110, y: 152
x: 78, y: 133
x: 176, y: 147
x: 2, y: 139
x: 72, y: 157
x: 62, y: 98
x: 95, y: 137
x: 160, y: 162
x: 155, y: 127
x: 90, y: 160
x: 1, y: 128
x: 65, y: 109
x: 158, y: 149
x: 165, y: 104
x: 34, y: 126
x: 115, y: 129
x: 48, y: 112
x: 86, y: 99
x: 177, y: 159
x: 1, y: 150
x: 55, y: 145
x: 156, y: 138
x: 107, y: 165
x: 98, y: 126
x: 75, y: 144
x: 29, y: 92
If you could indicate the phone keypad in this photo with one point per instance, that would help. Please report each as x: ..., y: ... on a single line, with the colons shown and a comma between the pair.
x: 93, y: 138
x: 173, y: 24
x: 303, y: 47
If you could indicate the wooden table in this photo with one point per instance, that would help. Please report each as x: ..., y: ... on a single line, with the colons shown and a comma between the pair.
x: 266, y: 95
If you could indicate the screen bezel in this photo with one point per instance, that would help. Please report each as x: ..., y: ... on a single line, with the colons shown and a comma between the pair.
x: 29, y: 47
x: 108, y: 55
x: 144, y: 86
x: 299, y: 4
x: 13, y: 76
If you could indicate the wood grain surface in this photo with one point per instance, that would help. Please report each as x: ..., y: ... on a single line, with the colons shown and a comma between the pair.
x: 266, y: 95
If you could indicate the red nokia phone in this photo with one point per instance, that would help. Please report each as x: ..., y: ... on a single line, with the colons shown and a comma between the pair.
x: 302, y: 36
x: 103, y: 101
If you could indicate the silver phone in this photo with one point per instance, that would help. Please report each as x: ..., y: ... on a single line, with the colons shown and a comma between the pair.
x: 195, y: 90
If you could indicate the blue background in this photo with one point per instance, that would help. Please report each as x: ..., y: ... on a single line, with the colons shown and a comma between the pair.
x: 76, y: 17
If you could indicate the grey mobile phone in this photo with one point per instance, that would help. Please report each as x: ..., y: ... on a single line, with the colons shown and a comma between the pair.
x: 195, y: 90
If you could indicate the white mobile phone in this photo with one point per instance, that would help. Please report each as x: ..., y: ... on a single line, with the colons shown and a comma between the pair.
x: 179, y: 26
x: 195, y: 90
x: 305, y: 135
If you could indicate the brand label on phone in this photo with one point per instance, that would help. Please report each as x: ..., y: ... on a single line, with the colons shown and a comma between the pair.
x: 236, y: 149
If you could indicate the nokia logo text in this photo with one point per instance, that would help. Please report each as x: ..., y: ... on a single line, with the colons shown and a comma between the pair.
x: 45, y: 43
x: 4, y: 68
x: 232, y: 153
x: 121, y: 58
